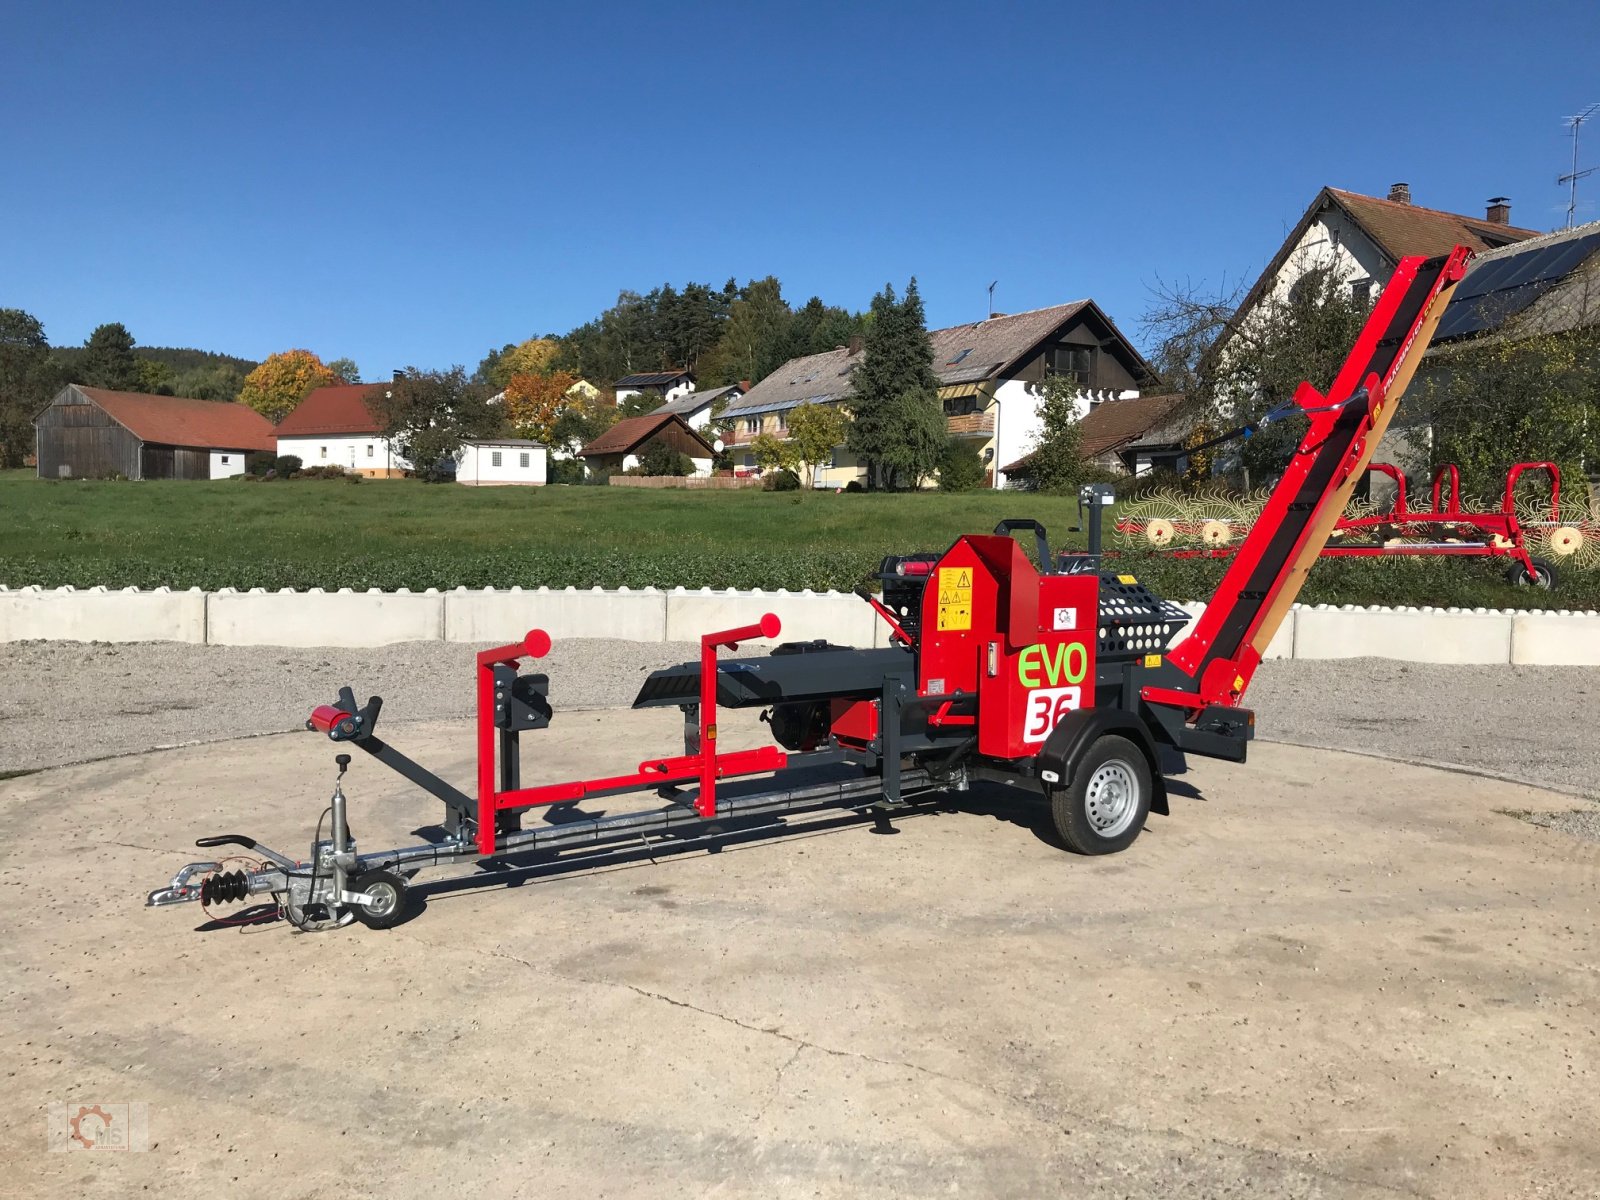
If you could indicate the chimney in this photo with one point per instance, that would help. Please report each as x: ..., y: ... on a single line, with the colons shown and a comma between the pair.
x: 993, y: 315
x: 1400, y: 193
x: 745, y: 385
x: 856, y: 343
x: 1499, y: 211
x: 399, y: 375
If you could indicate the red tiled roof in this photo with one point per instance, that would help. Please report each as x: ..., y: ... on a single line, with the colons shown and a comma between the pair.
x: 625, y: 436
x: 1403, y: 229
x: 341, y: 408
x: 178, y: 421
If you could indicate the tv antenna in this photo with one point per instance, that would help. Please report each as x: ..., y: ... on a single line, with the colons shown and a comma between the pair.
x: 1575, y: 124
x: 989, y: 312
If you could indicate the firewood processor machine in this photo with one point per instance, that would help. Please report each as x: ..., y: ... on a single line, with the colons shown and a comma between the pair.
x: 1051, y: 675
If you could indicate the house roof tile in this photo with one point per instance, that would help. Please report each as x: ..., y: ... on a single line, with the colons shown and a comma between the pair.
x: 1117, y: 423
x: 339, y: 409
x: 693, y: 402
x: 1402, y: 229
x: 178, y: 421
x: 970, y: 353
x: 626, y: 436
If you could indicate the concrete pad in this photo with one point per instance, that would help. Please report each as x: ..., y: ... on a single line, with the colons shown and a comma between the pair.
x: 344, y: 618
x: 1321, y: 976
x: 1566, y: 639
x: 101, y: 615
x: 1410, y: 634
x: 495, y: 615
x: 842, y: 619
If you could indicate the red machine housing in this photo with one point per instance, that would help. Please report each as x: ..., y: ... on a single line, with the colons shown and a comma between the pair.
x: 1020, y: 642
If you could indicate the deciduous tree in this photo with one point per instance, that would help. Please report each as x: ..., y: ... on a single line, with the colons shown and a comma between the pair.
x: 773, y: 453
x: 279, y: 384
x: 815, y: 430
x: 430, y: 413
x: 346, y: 369
x: 534, y: 402
x: 27, y: 382
x: 1056, y: 464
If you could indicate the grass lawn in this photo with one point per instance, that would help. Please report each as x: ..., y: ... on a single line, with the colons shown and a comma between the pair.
x: 401, y: 533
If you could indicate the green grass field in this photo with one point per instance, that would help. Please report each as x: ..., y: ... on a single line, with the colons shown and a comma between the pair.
x: 401, y: 533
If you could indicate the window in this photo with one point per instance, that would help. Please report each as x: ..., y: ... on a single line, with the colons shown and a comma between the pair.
x: 1074, y: 362
x: 961, y: 405
x: 522, y: 460
x: 954, y: 361
x: 225, y: 460
x: 494, y: 458
x: 322, y: 452
x: 752, y: 424
x: 369, y: 449
x: 1361, y: 292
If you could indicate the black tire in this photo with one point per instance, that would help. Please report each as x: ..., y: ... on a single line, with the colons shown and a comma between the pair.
x: 391, y: 889
x: 1092, y: 809
x: 1544, y: 577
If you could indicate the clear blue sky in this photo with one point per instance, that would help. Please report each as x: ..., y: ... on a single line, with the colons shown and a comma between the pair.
x: 409, y: 184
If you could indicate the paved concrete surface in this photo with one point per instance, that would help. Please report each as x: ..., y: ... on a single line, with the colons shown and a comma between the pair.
x: 1317, y: 978
x: 1532, y: 724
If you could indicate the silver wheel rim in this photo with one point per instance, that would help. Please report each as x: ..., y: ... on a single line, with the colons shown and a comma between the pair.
x: 1111, y: 798
x: 384, y: 898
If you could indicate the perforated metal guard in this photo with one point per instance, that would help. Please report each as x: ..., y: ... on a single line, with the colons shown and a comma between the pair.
x: 1134, y: 620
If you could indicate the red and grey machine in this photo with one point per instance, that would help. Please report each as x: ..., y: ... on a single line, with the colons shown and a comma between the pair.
x: 1042, y: 672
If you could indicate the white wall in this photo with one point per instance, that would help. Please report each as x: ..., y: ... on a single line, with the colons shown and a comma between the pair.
x: 227, y: 463
x: 477, y: 464
x: 349, y: 451
x: 1016, y: 424
x: 682, y: 389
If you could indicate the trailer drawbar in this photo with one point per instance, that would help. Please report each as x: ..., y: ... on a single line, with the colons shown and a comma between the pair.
x: 1046, y: 672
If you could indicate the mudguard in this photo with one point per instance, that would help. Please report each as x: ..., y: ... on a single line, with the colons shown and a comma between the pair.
x: 1070, y: 740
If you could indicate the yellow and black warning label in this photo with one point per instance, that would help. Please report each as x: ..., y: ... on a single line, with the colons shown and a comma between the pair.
x: 955, y: 598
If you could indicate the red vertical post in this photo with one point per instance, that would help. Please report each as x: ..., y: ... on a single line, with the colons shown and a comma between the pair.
x: 768, y: 627
x: 535, y: 645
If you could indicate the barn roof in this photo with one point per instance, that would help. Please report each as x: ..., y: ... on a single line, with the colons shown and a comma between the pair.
x: 341, y: 408
x: 626, y: 436
x: 178, y: 421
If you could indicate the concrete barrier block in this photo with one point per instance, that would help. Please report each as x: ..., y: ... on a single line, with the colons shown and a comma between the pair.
x: 843, y: 619
x: 1410, y: 635
x: 99, y: 615
x: 318, y: 618
x: 505, y: 615
x: 1556, y: 639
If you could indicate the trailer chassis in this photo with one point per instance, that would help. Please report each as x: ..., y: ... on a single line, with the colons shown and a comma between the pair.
x: 337, y: 883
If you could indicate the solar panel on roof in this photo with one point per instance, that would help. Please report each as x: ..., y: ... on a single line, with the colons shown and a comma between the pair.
x: 1505, y: 286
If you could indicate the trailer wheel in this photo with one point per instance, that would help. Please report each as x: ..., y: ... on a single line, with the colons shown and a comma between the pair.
x: 1544, y: 575
x: 389, y: 892
x: 1102, y: 808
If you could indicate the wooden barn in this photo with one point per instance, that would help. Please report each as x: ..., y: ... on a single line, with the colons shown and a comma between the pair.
x: 90, y: 433
x: 619, y: 448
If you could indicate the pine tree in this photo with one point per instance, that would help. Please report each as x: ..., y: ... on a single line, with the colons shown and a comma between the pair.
x: 108, y: 360
x: 898, y: 428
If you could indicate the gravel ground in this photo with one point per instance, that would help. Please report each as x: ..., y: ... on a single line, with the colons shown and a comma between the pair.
x: 1528, y: 724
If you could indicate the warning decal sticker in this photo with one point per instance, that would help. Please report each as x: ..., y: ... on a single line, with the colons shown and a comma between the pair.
x: 955, y: 598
